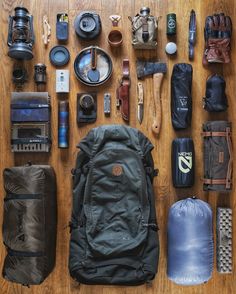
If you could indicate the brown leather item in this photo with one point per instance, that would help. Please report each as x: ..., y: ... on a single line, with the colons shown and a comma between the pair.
x: 123, y: 91
x: 215, y: 134
x: 218, y: 182
x: 218, y: 31
x: 218, y: 156
x: 115, y: 38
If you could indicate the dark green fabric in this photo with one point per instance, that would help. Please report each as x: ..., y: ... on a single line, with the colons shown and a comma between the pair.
x: 213, y: 149
x: 113, y: 225
x: 29, y: 223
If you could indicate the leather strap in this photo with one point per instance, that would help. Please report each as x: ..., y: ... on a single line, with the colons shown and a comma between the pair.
x: 215, y: 134
x: 123, y: 91
x: 230, y: 164
x: 125, y: 72
x: 215, y: 181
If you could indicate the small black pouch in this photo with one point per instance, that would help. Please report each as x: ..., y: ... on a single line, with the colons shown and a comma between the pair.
x: 215, y: 99
x: 181, y: 98
x: 183, y: 162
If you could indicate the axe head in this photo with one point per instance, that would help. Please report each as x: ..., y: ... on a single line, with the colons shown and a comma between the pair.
x: 146, y: 68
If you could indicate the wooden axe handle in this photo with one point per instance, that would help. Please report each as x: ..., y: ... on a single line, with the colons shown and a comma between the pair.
x: 157, y: 81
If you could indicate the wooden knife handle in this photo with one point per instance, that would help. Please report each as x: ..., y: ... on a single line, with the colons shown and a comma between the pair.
x: 93, y: 58
x: 157, y: 81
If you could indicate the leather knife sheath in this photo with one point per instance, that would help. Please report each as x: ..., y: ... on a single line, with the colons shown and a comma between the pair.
x: 123, y: 91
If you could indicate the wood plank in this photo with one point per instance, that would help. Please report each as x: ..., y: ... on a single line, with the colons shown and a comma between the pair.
x: 63, y: 160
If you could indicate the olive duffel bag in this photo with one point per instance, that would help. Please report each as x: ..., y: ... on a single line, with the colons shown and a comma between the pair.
x: 29, y: 223
x: 218, y: 156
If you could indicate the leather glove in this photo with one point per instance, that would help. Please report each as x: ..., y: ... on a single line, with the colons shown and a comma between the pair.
x: 217, y: 33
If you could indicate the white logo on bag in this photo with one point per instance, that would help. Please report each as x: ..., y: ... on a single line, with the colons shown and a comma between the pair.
x: 185, y: 161
x: 183, y: 101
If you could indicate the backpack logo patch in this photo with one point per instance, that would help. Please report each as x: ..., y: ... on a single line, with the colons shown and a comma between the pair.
x: 185, y: 162
x: 117, y: 170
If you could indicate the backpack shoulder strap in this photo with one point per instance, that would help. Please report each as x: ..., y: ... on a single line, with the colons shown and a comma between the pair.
x: 86, y: 143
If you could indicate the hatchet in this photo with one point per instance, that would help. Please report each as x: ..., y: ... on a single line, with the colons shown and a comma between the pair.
x: 157, y: 69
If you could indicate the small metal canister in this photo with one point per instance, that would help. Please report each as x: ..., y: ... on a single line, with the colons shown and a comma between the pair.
x: 171, y: 24
x: 40, y: 76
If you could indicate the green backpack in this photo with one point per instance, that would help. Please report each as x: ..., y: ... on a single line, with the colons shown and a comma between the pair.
x: 114, y: 236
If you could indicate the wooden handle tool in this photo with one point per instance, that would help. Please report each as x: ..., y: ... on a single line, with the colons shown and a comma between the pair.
x: 157, y: 81
x: 93, y: 73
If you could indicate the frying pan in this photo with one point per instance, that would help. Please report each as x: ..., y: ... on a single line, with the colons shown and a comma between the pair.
x: 83, y: 65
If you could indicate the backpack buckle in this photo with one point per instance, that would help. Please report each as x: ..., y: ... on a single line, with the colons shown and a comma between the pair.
x: 74, y: 171
x: 153, y: 226
x: 151, y: 171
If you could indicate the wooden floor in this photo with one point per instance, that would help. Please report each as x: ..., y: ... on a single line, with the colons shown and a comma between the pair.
x: 63, y: 160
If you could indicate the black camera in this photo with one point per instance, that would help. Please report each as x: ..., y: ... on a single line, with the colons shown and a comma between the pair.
x: 88, y: 25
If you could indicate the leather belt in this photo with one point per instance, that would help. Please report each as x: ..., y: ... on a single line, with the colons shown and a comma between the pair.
x: 122, y: 93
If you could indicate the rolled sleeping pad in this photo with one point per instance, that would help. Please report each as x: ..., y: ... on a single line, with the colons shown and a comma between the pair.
x: 190, y: 242
x: 183, y: 162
